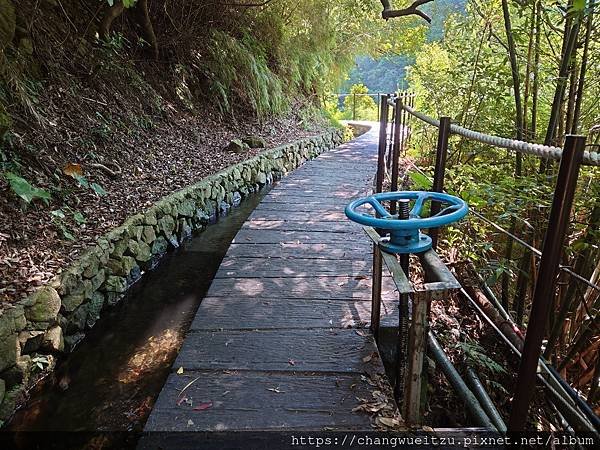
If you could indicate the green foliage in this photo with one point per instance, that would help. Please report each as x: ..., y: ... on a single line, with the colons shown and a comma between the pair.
x: 40, y: 362
x: 237, y: 69
x: 476, y: 353
x: 21, y: 187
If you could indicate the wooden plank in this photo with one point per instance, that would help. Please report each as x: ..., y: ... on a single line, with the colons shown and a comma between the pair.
x: 286, y: 237
x: 260, y: 401
x: 294, y: 350
x: 313, y: 251
x: 314, y: 192
x: 238, y: 313
x: 291, y: 268
x: 277, y: 214
x: 296, y: 225
x: 340, y: 287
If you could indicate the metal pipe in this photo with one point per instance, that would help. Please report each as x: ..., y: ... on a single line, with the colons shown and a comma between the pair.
x: 545, y: 286
x: 382, y: 144
x: 575, y: 416
x: 485, y: 400
x: 583, y: 406
x: 440, y: 172
x: 458, y: 383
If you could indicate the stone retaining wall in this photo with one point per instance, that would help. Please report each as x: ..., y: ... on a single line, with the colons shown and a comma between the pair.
x: 51, y: 321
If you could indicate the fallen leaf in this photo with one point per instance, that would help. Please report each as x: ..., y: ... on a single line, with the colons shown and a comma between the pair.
x: 291, y: 362
x: 388, y: 421
x: 276, y: 390
x: 180, y: 371
x: 73, y: 170
x: 203, y: 406
x: 190, y: 423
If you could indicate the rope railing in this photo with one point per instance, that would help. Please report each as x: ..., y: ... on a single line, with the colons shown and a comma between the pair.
x: 542, y: 151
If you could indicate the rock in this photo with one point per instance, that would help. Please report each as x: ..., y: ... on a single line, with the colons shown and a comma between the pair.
x: 91, y: 266
x: 8, y: 351
x: 19, y: 373
x: 159, y: 246
x: 150, y: 217
x: 173, y: 241
x: 254, y: 142
x: 261, y: 178
x: 119, y: 248
x: 237, y: 146
x: 185, y: 231
x: 77, y: 320
x: 167, y: 225
x: 115, y: 284
x: 86, y: 288
x: 8, y: 405
x: 148, y: 235
x: 45, y: 305
x: 98, y: 280
x: 70, y: 279
x: 72, y: 340
x: 187, y: 208
x: 12, y: 319
x: 30, y: 341
x: 236, y: 198
x: 70, y: 302
x: 112, y: 298
x: 94, y: 307
x: 53, y: 340
x: 129, y: 267
x: 140, y: 250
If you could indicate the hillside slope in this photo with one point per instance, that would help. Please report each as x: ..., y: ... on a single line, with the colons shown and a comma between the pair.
x: 94, y: 131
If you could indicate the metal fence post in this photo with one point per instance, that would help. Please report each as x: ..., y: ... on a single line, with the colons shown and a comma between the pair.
x: 382, y: 143
x: 546, y: 282
x: 440, y: 171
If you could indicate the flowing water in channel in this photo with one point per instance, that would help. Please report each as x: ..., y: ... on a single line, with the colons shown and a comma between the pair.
x: 110, y: 382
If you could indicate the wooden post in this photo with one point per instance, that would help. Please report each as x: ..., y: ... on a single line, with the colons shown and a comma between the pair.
x: 417, y: 345
x: 354, y: 106
x: 544, y: 292
x: 383, y: 120
x: 376, y: 291
x: 439, y: 173
x: 396, y: 152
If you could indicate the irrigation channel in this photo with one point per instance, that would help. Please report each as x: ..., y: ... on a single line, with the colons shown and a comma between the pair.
x: 110, y: 382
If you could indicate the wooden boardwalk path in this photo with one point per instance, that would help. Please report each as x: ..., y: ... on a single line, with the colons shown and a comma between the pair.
x: 279, y: 342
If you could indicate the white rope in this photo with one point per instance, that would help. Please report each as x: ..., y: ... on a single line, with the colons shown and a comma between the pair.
x: 543, y: 151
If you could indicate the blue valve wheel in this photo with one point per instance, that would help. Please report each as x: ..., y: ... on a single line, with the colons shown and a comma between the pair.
x: 404, y: 234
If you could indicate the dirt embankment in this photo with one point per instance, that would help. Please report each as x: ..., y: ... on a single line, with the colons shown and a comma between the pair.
x: 98, y: 131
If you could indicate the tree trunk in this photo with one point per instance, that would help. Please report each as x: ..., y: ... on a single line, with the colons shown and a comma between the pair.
x: 113, y: 12
x: 569, y: 40
x: 583, y: 69
x: 143, y: 19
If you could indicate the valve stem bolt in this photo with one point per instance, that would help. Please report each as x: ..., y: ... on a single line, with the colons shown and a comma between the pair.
x: 403, y: 208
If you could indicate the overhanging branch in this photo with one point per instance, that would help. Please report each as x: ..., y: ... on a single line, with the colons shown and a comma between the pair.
x: 412, y: 10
